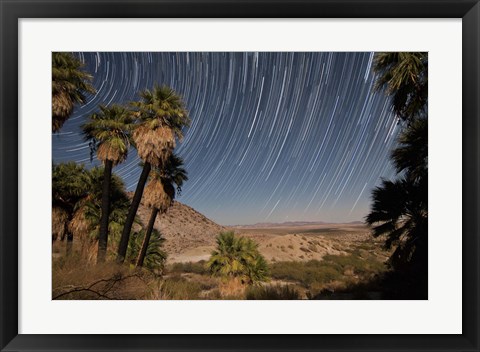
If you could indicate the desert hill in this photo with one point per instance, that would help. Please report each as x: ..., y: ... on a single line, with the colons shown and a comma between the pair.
x: 188, y: 233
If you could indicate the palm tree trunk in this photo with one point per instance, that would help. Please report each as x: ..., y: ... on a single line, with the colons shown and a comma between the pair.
x: 146, y: 239
x: 132, y: 212
x: 103, y: 237
x: 69, y: 244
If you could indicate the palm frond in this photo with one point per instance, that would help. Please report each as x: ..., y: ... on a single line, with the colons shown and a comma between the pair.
x: 162, y: 116
x: 110, y: 133
x: 404, y: 76
x: 70, y: 83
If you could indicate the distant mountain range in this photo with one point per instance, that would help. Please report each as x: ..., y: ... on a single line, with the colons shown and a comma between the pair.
x: 293, y: 224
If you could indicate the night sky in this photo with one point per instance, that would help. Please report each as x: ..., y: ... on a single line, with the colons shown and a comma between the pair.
x: 274, y: 137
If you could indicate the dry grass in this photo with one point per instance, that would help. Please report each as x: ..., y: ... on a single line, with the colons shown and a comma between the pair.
x: 75, y: 279
x: 179, y: 288
x: 232, y: 289
x: 272, y: 292
x: 80, y: 228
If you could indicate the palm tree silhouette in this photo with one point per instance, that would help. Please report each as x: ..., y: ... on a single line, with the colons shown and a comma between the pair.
x: 161, y: 116
x: 70, y: 83
x: 399, y: 208
x: 109, y: 133
x: 160, y: 193
x: 411, y: 155
x: 404, y: 76
x: 400, y: 211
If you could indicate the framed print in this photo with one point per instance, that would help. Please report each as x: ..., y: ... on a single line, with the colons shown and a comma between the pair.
x: 239, y: 176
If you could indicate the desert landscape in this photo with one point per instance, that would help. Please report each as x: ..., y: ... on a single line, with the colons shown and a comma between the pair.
x: 190, y: 236
x: 239, y: 175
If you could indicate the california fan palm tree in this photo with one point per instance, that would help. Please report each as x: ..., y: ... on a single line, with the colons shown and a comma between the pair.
x: 404, y: 76
x: 85, y: 224
x: 238, y: 257
x: 109, y: 133
x: 411, y: 155
x: 399, y: 209
x: 70, y: 83
x: 160, y: 193
x: 400, y: 212
x: 161, y: 116
x: 70, y: 184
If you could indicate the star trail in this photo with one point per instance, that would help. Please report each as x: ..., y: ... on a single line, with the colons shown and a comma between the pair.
x: 275, y: 136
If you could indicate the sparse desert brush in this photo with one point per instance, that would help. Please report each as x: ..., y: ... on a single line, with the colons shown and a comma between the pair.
x: 277, y: 292
x: 377, y: 287
x: 306, y: 273
x: 312, y: 247
x: 369, y: 246
x: 356, y: 263
x: 315, y: 274
x: 189, y: 267
x: 317, y: 288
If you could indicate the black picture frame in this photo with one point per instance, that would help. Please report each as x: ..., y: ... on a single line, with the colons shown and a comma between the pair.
x: 12, y: 11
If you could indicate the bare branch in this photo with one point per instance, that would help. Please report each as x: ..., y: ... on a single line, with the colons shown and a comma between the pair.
x: 102, y: 293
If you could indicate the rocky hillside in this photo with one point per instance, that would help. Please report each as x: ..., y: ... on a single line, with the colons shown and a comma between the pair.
x: 187, y: 232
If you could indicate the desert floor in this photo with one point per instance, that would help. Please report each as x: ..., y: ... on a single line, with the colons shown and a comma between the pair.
x: 292, y: 243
